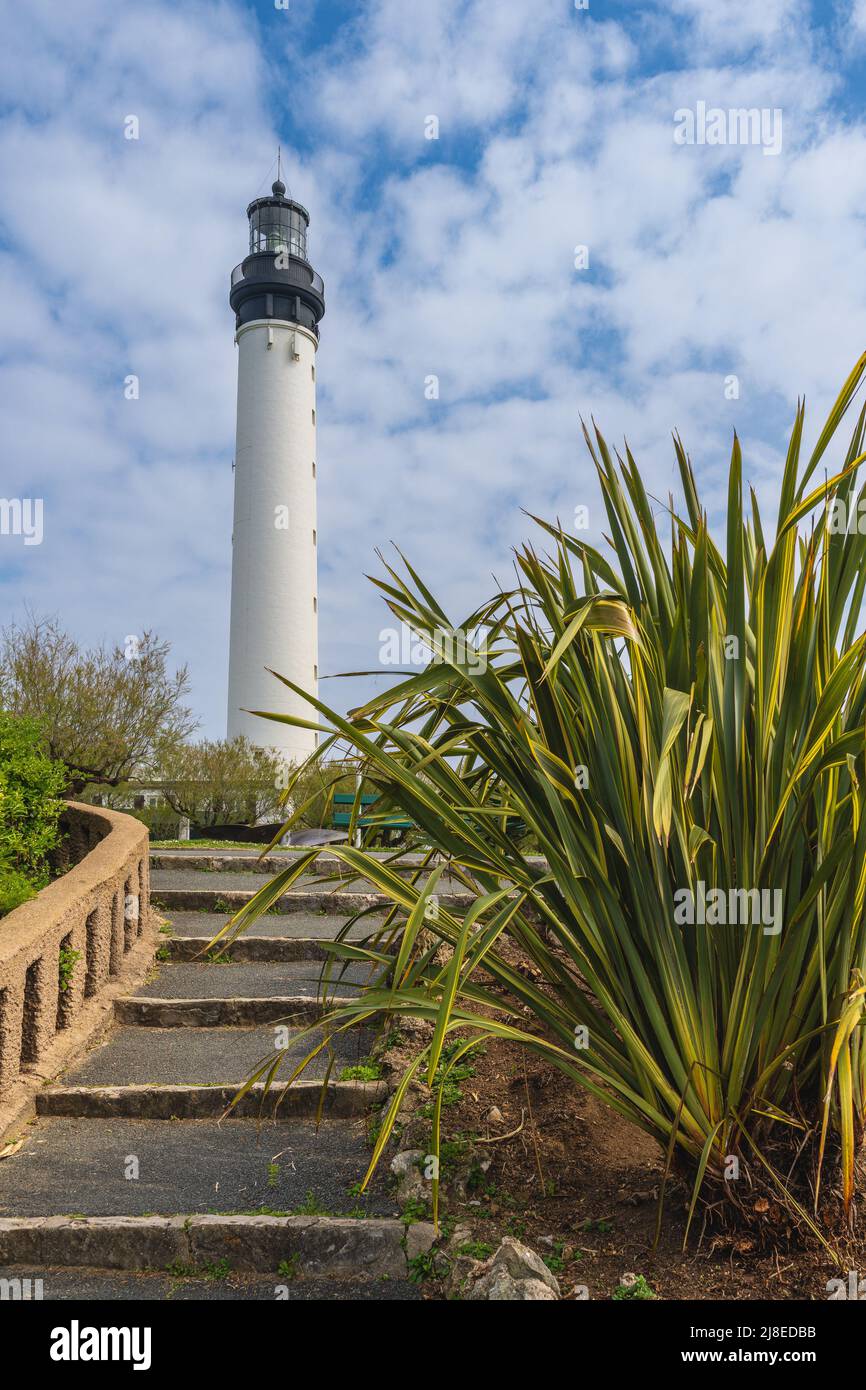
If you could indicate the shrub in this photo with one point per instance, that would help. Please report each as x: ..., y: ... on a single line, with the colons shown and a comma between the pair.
x: 66, y: 962
x: 669, y: 726
x: 105, y: 712
x: 15, y: 888
x: 31, y: 784
x: 222, y: 782
x: 162, y: 822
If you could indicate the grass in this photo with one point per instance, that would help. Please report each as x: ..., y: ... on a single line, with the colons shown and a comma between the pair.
x: 415, y: 1210
x: 194, y: 845
x: 446, y: 1080
x: 289, y: 1269
x: 214, y: 1272
x: 476, y: 1249
x: 311, y: 1206
x: 431, y: 1265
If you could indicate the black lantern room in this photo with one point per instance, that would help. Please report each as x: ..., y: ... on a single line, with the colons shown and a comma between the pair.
x: 276, y: 281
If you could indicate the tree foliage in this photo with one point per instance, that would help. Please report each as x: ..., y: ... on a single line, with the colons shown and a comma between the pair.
x: 222, y: 781
x: 104, y: 712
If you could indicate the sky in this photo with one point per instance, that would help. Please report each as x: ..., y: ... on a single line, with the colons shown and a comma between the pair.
x: 716, y: 284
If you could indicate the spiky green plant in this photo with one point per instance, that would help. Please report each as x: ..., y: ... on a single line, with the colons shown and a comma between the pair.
x: 650, y: 722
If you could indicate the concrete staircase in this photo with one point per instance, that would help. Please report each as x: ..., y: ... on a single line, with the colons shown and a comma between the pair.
x: 128, y: 1184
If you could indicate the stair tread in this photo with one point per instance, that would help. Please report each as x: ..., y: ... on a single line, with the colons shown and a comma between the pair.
x: 286, y: 854
x: 244, y: 880
x: 295, y: 924
x: 201, y: 1056
x: 78, y: 1166
x: 262, y: 980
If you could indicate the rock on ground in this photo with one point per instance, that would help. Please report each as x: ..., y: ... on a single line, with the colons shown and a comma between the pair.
x: 513, y: 1273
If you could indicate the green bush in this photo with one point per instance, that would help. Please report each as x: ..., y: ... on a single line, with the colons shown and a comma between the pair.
x: 162, y: 822
x: 31, y: 786
x: 15, y: 888
x: 221, y: 782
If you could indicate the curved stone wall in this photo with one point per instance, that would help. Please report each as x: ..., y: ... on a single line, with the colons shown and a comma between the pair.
x: 99, y: 909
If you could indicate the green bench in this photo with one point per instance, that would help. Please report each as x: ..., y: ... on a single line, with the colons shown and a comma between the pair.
x: 514, y: 825
x: 340, y: 818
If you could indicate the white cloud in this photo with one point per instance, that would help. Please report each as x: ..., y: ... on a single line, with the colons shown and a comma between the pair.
x: 730, y: 27
x: 468, y: 62
x: 452, y: 257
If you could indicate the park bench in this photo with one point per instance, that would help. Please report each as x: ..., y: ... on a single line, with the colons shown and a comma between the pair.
x: 342, y: 814
x: 341, y: 817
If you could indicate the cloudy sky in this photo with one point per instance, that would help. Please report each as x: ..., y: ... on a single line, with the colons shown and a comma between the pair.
x: 454, y: 257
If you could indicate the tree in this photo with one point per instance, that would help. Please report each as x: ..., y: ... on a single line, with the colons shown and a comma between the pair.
x: 104, y: 712
x: 222, y: 782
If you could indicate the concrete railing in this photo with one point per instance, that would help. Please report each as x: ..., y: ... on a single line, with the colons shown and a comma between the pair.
x: 99, y: 909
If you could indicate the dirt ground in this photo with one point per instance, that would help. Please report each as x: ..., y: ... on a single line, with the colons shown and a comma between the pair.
x: 579, y: 1185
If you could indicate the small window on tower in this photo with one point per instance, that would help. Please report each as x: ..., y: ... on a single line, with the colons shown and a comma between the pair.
x: 315, y: 673
x: 313, y: 370
x: 314, y: 468
x: 315, y: 604
x: 314, y: 417
x: 314, y: 538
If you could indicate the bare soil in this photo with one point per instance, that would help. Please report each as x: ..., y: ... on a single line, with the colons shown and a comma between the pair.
x: 580, y: 1185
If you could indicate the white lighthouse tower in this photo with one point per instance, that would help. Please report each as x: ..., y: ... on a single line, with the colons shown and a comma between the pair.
x: 278, y: 300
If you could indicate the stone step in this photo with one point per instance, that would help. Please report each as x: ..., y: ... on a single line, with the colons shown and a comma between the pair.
x: 303, y: 925
x: 80, y: 1167
x: 345, y: 902
x: 282, y: 853
x: 303, y: 950
x: 226, y: 901
x: 206, y: 1056
x: 253, y: 980
x: 304, y: 1099
x: 242, y: 880
x: 215, y: 861
x: 297, y: 1010
x: 412, y: 859
x: 134, y: 1134
x: 58, y: 1285
x: 307, y: 1247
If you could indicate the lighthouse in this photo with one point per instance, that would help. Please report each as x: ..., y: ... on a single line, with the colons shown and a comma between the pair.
x: 278, y: 302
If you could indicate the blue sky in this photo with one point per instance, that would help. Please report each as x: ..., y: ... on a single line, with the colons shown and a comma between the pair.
x: 451, y: 257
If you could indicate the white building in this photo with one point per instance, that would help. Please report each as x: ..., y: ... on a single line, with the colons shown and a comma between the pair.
x: 278, y: 301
